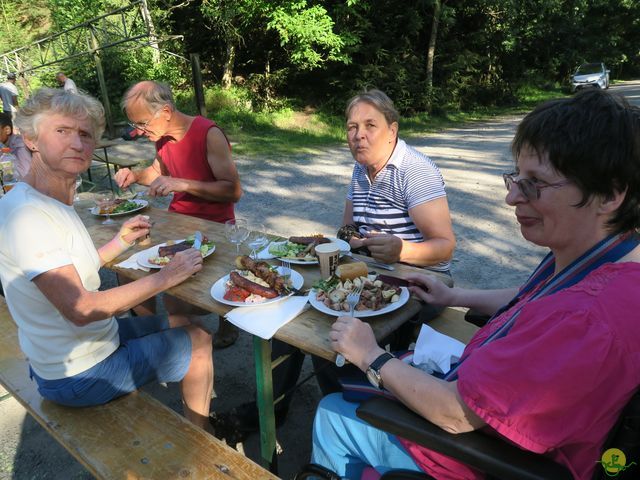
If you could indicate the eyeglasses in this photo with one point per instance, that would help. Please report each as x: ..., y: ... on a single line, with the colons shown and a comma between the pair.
x: 529, y: 188
x: 143, y: 125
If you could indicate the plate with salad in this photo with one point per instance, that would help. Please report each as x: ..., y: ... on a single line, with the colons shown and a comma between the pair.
x: 120, y: 206
x: 298, y: 253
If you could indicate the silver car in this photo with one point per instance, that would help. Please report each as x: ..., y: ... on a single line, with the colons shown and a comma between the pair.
x: 590, y: 75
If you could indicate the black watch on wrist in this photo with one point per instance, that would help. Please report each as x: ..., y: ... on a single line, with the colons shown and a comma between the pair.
x: 373, y: 372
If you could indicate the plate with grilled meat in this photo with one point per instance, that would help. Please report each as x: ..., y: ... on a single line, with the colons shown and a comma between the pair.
x: 378, y: 296
x: 301, y: 250
x: 254, y: 282
x: 159, y: 255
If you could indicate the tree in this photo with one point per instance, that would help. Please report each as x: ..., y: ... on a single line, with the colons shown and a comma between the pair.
x: 431, y: 49
x: 305, y: 32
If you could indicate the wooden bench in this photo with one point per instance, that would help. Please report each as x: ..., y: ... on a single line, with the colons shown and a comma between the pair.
x: 451, y: 322
x: 133, y: 437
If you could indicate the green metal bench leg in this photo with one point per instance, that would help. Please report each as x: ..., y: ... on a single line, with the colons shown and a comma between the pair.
x: 264, y: 385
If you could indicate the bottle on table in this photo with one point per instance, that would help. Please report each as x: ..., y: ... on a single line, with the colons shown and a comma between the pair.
x: 8, y: 175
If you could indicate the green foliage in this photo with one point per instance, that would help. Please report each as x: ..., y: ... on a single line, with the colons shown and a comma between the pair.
x: 21, y: 22
x: 68, y: 13
x: 488, y: 53
x: 307, y: 34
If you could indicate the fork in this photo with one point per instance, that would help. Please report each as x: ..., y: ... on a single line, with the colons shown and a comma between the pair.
x: 352, y: 300
x: 286, y: 274
x: 286, y: 265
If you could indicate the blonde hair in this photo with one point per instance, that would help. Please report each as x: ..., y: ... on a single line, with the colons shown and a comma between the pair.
x: 56, y: 101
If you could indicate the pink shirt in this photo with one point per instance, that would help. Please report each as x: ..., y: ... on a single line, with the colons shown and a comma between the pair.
x: 559, y: 380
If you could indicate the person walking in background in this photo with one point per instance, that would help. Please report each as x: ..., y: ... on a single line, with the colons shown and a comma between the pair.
x: 9, y: 93
x: 193, y: 162
x: 66, y: 83
x: 22, y: 162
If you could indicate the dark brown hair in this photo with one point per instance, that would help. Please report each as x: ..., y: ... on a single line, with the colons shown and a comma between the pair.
x: 593, y: 139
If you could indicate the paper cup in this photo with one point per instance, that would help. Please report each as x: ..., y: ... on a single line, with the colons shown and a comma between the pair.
x: 328, y: 255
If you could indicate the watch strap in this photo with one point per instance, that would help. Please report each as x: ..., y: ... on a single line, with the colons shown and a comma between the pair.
x: 375, y: 367
x: 380, y: 361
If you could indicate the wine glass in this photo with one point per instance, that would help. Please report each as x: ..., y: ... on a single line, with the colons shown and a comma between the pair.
x: 257, y: 239
x: 76, y: 196
x: 236, y: 231
x: 104, y: 201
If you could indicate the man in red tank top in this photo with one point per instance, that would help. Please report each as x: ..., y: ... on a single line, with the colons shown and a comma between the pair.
x: 193, y: 161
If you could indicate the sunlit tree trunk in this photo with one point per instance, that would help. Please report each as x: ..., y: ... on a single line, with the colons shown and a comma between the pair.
x: 431, y: 51
x: 151, y: 29
x: 229, y: 63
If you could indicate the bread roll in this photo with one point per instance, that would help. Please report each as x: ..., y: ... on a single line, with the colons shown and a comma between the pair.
x: 349, y: 271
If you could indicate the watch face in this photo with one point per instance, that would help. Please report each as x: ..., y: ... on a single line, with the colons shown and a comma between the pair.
x: 373, y: 377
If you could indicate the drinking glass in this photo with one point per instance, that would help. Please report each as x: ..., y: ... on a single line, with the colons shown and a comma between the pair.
x: 257, y: 239
x: 76, y: 196
x: 236, y: 231
x: 104, y: 199
x: 9, y: 177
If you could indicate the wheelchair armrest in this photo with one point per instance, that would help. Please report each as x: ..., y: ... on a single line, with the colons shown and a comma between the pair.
x: 486, y: 453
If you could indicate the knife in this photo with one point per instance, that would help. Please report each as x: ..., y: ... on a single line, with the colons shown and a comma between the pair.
x: 197, y: 240
x: 373, y: 263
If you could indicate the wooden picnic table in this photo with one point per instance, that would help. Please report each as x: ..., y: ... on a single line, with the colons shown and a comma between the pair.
x: 309, y: 331
x: 100, y: 154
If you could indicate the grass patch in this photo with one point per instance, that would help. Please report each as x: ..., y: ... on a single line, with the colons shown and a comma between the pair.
x: 287, y: 131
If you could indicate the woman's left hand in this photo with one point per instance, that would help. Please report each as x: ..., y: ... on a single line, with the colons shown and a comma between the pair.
x: 384, y: 247
x: 355, y: 340
x: 135, y: 228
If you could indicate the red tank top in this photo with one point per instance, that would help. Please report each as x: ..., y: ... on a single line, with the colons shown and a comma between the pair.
x: 188, y: 159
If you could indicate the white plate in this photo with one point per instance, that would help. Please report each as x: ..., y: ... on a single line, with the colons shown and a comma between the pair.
x: 141, y: 204
x: 404, y: 298
x: 145, y: 255
x: 344, y: 249
x: 218, y: 290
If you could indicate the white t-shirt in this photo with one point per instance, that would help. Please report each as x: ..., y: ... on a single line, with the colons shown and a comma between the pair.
x: 38, y: 234
x: 70, y: 86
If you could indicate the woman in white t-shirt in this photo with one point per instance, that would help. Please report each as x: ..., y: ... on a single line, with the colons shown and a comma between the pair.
x: 81, y: 354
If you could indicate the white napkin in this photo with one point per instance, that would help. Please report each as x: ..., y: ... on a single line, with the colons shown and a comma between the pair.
x: 265, y: 320
x: 435, y: 351
x: 132, y: 263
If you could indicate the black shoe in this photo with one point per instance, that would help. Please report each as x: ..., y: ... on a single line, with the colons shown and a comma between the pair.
x: 246, y: 416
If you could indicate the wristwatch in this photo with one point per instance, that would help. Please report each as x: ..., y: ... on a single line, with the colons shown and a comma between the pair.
x: 373, y: 372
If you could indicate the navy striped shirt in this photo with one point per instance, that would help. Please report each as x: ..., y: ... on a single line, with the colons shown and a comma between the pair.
x: 408, y: 179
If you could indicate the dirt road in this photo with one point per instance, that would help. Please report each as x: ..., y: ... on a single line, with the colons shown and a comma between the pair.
x: 304, y: 194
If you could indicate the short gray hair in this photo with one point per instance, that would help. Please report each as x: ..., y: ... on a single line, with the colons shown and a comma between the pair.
x: 154, y: 94
x: 377, y: 99
x: 55, y: 101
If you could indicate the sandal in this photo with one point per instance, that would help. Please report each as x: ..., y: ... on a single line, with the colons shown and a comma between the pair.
x: 226, y: 335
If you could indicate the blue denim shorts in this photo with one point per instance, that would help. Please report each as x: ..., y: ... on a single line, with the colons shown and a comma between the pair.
x: 149, y: 351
